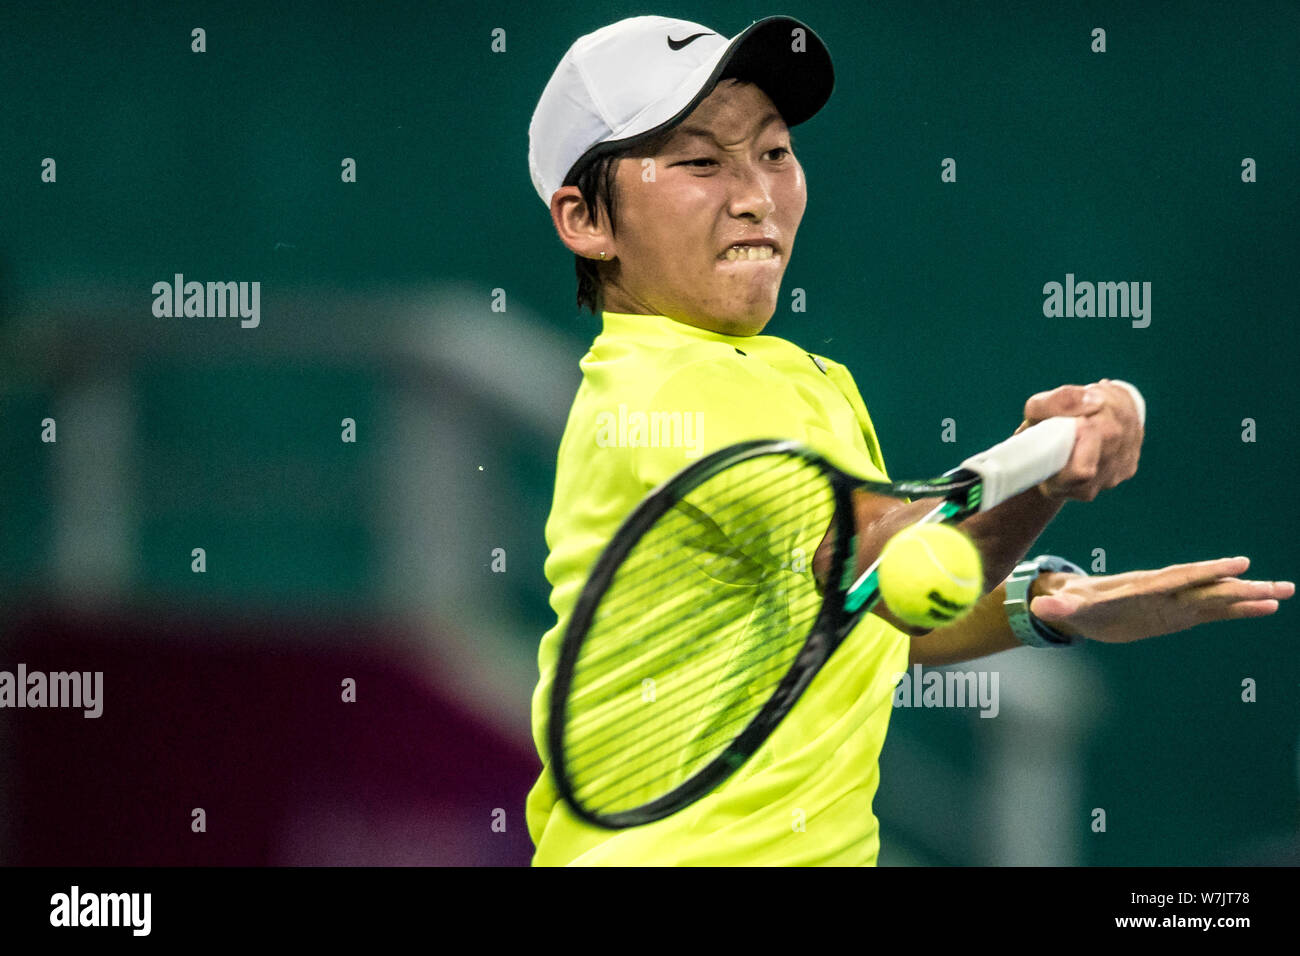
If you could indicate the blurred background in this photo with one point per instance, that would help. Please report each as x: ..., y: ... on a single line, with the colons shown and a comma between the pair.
x: 430, y: 303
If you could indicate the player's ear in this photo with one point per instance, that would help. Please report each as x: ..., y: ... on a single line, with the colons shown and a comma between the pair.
x: 577, y: 227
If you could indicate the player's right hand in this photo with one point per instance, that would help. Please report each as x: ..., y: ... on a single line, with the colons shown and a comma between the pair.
x: 1108, y: 439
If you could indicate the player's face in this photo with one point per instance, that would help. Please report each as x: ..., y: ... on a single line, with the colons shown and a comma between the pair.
x: 727, y: 176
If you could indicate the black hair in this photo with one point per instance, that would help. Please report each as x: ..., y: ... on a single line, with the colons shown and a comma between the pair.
x: 595, y: 181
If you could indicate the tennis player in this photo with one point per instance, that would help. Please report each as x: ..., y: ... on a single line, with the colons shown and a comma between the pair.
x: 662, y: 150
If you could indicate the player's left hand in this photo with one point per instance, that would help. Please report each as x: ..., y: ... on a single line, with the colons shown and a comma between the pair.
x: 1108, y: 439
x: 1120, y: 608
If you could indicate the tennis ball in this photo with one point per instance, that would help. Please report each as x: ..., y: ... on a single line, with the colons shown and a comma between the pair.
x: 930, y: 574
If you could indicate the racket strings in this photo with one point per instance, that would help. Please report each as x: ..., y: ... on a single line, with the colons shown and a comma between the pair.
x: 675, y: 771
x: 620, y: 704
x: 758, y: 673
x: 635, y: 593
x: 675, y: 735
x: 688, y: 527
x: 696, y: 628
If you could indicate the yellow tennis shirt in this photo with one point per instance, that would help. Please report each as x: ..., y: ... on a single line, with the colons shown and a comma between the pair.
x: 656, y: 395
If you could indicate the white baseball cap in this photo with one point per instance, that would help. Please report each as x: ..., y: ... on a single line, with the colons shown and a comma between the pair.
x: 643, y: 75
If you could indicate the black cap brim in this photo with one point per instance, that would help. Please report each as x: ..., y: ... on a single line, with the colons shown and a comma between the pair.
x: 798, y: 81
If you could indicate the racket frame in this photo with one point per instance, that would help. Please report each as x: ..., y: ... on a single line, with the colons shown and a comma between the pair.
x: 844, y: 602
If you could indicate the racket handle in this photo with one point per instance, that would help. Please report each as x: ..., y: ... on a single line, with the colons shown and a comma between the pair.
x: 1023, y: 460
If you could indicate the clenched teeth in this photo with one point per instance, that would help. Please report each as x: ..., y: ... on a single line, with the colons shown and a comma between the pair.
x: 751, y: 253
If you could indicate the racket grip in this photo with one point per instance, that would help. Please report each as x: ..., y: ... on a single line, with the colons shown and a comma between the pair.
x: 1023, y: 460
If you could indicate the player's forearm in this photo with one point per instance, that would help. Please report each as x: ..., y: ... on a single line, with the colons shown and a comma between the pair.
x: 983, y: 631
x: 1005, y: 534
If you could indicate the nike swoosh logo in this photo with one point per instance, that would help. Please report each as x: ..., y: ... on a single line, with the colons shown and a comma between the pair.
x: 678, y: 44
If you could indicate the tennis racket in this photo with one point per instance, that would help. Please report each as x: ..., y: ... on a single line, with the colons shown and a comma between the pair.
x: 702, y: 622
